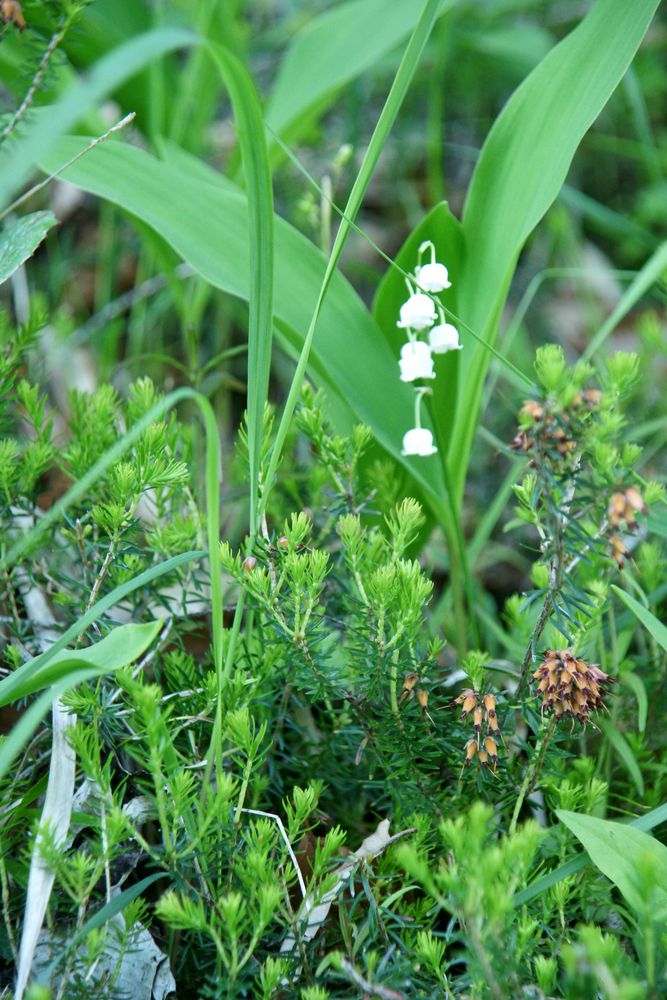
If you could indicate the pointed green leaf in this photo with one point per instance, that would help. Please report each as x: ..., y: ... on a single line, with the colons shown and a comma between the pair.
x: 624, y: 751
x: 121, y: 647
x: 21, y: 239
x: 520, y: 171
x: 615, y: 849
x: 333, y: 49
x: 652, y: 624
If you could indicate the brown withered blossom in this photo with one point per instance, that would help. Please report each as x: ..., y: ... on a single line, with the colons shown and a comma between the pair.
x: 410, y: 690
x: 622, y: 508
x: 554, y: 432
x: 483, y: 710
x: 569, y: 686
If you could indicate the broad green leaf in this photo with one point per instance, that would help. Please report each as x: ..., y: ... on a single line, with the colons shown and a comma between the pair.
x: 103, y: 656
x: 21, y: 239
x: 517, y: 46
x: 520, y: 171
x: 333, y: 49
x: 616, y: 849
x: 653, y: 625
x: 646, y: 822
x: 19, y: 158
x: 624, y: 751
x: 121, y: 647
x: 206, y: 223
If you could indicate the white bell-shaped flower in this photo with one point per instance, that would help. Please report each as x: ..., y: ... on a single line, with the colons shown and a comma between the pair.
x: 418, y: 441
x: 418, y: 313
x: 443, y: 338
x: 433, y: 277
x: 416, y: 361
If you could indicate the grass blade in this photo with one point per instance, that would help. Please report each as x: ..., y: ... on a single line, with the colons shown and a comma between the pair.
x: 652, y: 624
x: 622, y: 748
x: 252, y: 140
x: 21, y: 239
x: 388, y: 115
x: 652, y: 271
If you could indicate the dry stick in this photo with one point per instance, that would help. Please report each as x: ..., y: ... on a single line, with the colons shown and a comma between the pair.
x: 56, y: 39
x: 47, y: 180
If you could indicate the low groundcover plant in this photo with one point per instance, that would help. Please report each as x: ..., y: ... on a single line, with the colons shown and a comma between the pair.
x: 332, y: 662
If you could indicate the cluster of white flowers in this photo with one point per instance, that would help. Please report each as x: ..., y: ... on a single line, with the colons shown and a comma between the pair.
x: 418, y: 314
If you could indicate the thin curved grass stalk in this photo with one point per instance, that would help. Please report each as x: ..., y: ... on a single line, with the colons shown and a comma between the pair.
x: 388, y: 115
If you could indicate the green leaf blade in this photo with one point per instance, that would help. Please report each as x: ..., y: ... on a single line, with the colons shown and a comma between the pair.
x: 21, y: 240
x: 616, y: 848
x: 521, y: 169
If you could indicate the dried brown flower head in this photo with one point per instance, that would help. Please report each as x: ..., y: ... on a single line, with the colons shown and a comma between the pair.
x: 11, y: 13
x: 553, y: 432
x: 483, y: 709
x: 570, y: 686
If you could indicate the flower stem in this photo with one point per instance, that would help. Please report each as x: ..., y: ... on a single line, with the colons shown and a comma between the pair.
x: 532, y: 772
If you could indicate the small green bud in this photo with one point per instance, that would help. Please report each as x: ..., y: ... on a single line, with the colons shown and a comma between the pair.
x: 606, y: 457
x: 622, y: 371
x: 546, y: 973
x: 653, y: 493
x: 349, y: 530
x: 473, y: 665
x: 630, y: 453
x: 550, y: 366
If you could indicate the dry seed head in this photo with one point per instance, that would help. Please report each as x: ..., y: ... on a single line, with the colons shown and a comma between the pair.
x: 570, y: 686
x: 616, y: 509
x: 635, y: 500
x: 468, y: 700
x: 533, y: 409
x: 522, y: 442
x: 489, y: 704
x: 408, y: 685
x: 618, y: 550
x: 422, y: 698
x: 591, y: 397
x: 470, y: 751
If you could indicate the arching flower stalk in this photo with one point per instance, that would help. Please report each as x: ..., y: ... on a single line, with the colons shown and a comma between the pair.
x: 419, y: 440
x: 417, y: 315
